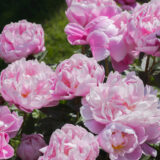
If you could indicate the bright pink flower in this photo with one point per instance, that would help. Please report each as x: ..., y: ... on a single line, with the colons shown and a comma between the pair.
x: 105, y: 37
x: 126, y: 101
x: 121, y: 142
x: 144, y: 28
x: 9, y: 122
x: 76, y: 75
x: 29, y: 147
x: 71, y: 143
x: 83, y: 11
x: 6, y: 151
x: 21, y: 39
x: 27, y: 84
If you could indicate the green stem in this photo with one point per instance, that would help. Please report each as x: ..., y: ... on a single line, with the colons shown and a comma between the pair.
x: 147, y: 64
x: 154, y: 62
x: 106, y: 67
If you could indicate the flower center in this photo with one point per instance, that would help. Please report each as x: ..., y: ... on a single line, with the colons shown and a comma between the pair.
x: 25, y: 94
x: 118, y: 147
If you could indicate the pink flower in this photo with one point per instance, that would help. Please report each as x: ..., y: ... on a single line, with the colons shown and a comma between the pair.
x: 120, y: 99
x: 9, y: 122
x: 127, y: 142
x: 105, y: 37
x: 27, y: 84
x: 121, y: 142
x: 76, y: 75
x: 71, y: 143
x: 6, y: 151
x: 83, y: 11
x: 125, y: 101
x: 127, y: 4
x: 21, y: 39
x: 29, y: 147
x: 144, y: 28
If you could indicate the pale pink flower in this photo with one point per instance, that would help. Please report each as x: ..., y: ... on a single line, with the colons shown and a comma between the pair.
x: 21, y: 39
x: 83, y: 11
x: 126, y: 101
x: 27, y: 84
x: 120, y: 99
x: 9, y: 122
x: 144, y: 28
x: 105, y: 37
x: 71, y: 143
x: 76, y: 75
x: 6, y: 151
x: 127, y: 142
x: 121, y: 142
x: 29, y: 147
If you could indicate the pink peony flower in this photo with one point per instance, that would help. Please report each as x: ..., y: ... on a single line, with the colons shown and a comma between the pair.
x: 121, y: 142
x: 76, y: 75
x: 125, y: 101
x: 105, y: 37
x: 119, y: 99
x: 6, y: 151
x: 29, y: 147
x: 127, y: 4
x: 144, y: 28
x: 71, y: 143
x: 21, y: 39
x: 9, y: 122
x: 27, y: 84
x: 83, y: 11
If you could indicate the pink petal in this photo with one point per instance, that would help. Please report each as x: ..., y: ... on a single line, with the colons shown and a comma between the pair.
x: 98, y: 42
x: 135, y: 155
x: 148, y: 150
x: 76, y: 34
x: 94, y: 126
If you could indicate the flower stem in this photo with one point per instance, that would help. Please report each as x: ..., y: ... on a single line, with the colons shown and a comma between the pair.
x: 106, y: 67
x: 147, y: 64
x: 154, y: 62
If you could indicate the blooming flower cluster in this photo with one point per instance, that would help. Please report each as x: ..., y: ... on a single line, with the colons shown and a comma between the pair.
x: 105, y: 37
x: 122, y: 36
x: 32, y: 85
x: 21, y: 39
x: 122, y: 112
x: 125, y: 116
x: 9, y: 125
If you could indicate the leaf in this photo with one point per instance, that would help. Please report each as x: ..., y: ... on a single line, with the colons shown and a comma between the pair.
x: 144, y: 61
x: 158, y: 36
x: 146, y: 158
x: 55, y: 117
x: 3, y: 65
x: 40, y: 56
